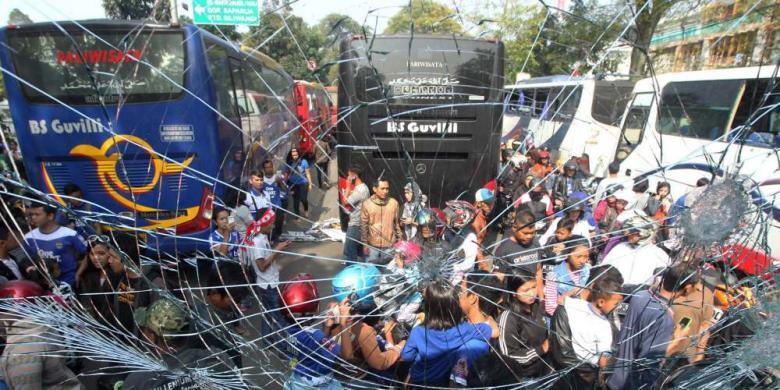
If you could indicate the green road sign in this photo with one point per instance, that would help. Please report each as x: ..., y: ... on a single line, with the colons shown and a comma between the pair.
x: 226, y: 12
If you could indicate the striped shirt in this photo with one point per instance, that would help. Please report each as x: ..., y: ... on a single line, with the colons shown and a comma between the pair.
x: 29, y: 361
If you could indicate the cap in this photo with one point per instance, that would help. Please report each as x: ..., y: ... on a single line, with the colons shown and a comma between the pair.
x: 483, y: 195
x: 625, y: 195
x: 570, y: 165
x: 544, y: 154
x: 164, y: 316
x: 267, y: 219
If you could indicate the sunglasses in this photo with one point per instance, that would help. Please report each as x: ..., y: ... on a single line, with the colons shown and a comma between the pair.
x: 102, y: 239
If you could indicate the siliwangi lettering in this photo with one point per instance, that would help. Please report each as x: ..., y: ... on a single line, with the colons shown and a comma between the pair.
x: 423, y: 128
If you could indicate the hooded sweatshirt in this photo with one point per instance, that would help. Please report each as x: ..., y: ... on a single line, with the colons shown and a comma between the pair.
x: 379, y: 222
x: 433, y: 353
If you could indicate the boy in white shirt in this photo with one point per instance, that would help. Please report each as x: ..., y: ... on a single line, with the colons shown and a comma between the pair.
x: 256, y: 253
x: 582, y: 331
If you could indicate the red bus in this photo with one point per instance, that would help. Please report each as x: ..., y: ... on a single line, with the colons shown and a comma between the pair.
x: 313, y: 112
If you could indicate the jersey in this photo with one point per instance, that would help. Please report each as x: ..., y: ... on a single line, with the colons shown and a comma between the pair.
x: 63, y: 245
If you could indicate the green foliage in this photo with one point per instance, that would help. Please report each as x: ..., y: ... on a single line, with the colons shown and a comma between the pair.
x: 283, y: 47
x: 158, y: 10
x: 332, y: 28
x: 18, y: 17
x: 548, y: 43
x: 425, y: 17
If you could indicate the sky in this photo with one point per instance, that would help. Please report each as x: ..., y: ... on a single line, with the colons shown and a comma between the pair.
x: 378, y: 11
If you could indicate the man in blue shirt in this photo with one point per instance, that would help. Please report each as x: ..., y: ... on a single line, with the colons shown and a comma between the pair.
x: 52, y: 241
x: 649, y: 333
x: 274, y: 187
x: 74, y: 200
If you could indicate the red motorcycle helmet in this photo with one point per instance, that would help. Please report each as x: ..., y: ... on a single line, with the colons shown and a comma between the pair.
x: 20, y: 289
x: 300, y: 296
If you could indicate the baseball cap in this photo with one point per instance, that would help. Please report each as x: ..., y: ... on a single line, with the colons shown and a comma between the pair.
x: 483, y: 195
x: 544, y: 154
x: 163, y: 317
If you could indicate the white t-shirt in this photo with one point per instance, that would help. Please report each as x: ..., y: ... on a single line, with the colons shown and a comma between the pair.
x: 465, y: 265
x: 604, y: 184
x: 591, y: 332
x: 637, y: 265
x: 261, y: 249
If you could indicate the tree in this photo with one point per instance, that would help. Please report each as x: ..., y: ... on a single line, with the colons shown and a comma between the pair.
x: 332, y: 28
x: 646, y: 23
x: 158, y: 10
x: 549, y: 41
x: 18, y: 17
x: 425, y: 17
x: 293, y: 48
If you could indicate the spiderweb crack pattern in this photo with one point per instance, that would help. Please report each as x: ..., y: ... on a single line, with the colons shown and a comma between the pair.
x: 728, y: 212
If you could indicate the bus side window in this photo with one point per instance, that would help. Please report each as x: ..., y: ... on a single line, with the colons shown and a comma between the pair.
x: 697, y: 109
x: 220, y: 75
x: 765, y: 128
x: 540, y: 102
x: 569, y: 101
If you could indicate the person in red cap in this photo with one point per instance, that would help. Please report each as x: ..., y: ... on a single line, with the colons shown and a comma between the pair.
x: 313, y: 347
x: 256, y: 253
x: 542, y: 167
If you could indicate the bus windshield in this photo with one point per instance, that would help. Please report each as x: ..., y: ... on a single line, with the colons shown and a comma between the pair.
x: 58, y: 65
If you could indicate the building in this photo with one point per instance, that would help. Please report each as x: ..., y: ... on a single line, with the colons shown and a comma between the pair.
x: 721, y: 34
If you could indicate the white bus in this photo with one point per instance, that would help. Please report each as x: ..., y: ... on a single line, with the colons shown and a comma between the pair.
x: 571, y: 115
x: 679, y: 126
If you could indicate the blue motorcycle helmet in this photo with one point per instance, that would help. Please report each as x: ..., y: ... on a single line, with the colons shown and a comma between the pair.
x: 357, y: 282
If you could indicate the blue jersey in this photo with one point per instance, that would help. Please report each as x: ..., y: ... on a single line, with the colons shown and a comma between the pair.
x: 272, y: 191
x: 312, y: 353
x: 233, y: 242
x: 298, y: 172
x: 63, y: 245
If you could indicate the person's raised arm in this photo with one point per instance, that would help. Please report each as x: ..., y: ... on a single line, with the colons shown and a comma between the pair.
x: 345, y: 321
x: 264, y: 262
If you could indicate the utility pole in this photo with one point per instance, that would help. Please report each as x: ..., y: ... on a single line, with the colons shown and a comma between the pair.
x: 174, y: 13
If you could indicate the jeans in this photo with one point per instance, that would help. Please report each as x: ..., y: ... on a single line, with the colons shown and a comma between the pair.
x: 353, y: 249
x: 300, y: 382
x: 322, y: 174
x: 279, y: 222
x: 300, y: 195
x: 272, y: 319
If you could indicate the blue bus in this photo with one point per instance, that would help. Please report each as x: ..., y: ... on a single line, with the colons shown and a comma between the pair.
x: 153, y: 122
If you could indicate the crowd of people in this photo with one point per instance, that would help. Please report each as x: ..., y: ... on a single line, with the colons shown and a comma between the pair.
x: 542, y: 277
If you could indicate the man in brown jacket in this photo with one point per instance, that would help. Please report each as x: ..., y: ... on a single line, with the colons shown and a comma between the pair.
x: 380, y: 227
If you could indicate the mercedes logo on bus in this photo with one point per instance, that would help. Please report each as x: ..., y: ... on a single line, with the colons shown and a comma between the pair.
x: 420, y: 168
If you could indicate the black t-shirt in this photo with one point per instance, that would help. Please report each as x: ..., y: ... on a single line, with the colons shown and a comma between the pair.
x: 181, y: 374
x: 511, y: 257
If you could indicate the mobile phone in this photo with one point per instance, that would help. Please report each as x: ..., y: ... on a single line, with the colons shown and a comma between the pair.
x: 231, y: 219
x: 685, y: 322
